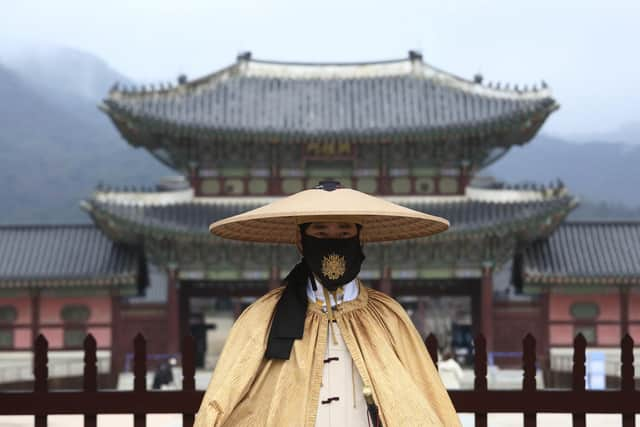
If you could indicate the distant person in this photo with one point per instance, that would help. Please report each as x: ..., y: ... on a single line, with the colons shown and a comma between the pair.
x: 450, y: 371
x: 163, y: 376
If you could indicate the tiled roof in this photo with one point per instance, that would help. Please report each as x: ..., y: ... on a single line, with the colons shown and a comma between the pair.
x: 466, y: 215
x: 586, y: 253
x: 64, y: 255
x: 301, y: 101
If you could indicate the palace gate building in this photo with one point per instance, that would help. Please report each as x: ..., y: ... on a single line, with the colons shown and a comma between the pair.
x: 404, y: 130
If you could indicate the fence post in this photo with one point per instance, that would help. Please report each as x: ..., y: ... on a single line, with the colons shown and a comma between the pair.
x: 529, y: 374
x: 139, y: 375
x: 432, y: 347
x: 40, y: 373
x: 480, y: 372
x: 90, y: 377
x: 579, y: 372
x: 188, y: 373
x: 628, y: 382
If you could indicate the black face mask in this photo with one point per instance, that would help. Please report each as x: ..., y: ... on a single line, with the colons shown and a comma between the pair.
x: 335, y: 262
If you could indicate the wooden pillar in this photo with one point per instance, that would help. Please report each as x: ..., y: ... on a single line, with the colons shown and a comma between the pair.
x: 545, y: 339
x: 420, y: 315
x: 184, y: 311
x: 274, y: 278
x: 35, y: 314
x: 275, y: 183
x: 464, y: 177
x: 195, y: 181
x: 383, y: 178
x: 237, y: 308
x: 385, y: 281
x: 116, y: 351
x: 624, y: 311
x: 544, y: 346
x: 486, y: 298
x: 173, y: 315
x: 476, y: 308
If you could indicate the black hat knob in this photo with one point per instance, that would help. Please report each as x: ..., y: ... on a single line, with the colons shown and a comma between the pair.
x: 328, y: 185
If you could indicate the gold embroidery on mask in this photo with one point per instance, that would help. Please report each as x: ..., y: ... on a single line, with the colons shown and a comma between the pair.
x: 333, y: 266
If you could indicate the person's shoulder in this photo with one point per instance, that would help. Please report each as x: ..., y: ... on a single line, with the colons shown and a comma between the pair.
x: 379, y: 298
x: 264, y: 305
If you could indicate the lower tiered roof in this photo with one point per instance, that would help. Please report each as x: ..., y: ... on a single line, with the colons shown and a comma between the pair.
x: 70, y: 256
x: 585, y: 253
x: 130, y: 216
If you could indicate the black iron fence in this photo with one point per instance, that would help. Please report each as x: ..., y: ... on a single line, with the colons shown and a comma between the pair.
x: 529, y: 401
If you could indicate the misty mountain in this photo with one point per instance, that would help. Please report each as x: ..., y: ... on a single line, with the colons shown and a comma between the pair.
x: 603, y: 174
x: 56, y: 149
x: 628, y: 133
x: 63, y: 73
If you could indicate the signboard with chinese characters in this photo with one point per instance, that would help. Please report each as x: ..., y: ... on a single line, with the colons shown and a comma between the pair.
x: 327, y: 149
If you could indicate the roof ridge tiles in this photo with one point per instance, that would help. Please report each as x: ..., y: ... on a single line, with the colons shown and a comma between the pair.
x: 603, y: 221
x: 401, y: 67
x: 329, y: 63
x: 51, y: 226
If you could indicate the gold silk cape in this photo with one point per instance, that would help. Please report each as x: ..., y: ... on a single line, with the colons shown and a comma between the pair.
x: 248, y: 390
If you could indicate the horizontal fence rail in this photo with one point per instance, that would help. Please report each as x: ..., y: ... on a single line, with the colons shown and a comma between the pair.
x: 528, y: 401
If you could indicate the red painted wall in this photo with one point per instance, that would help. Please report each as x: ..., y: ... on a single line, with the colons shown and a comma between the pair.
x: 634, y: 306
x: 100, y: 308
x: 559, y: 305
x: 22, y: 339
x: 561, y: 335
x: 50, y: 313
x: 610, y: 311
x: 22, y: 306
x: 634, y: 331
x: 150, y: 320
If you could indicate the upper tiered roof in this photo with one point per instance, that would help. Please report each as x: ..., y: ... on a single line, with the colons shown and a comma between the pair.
x: 266, y: 100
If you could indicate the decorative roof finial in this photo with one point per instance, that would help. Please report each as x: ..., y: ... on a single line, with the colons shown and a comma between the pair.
x: 182, y: 79
x: 244, y: 56
x: 477, y: 78
x: 328, y: 185
x: 415, y: 55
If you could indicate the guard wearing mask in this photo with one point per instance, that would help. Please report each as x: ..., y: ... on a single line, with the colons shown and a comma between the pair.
x: 324, y: 350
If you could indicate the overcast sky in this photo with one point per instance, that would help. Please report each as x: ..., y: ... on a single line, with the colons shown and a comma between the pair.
x: 587, y: 51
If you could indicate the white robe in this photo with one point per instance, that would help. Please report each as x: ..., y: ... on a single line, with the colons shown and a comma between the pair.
x: 340, y: 378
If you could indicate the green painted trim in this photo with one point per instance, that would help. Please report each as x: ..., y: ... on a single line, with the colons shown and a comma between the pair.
x: 425, y: 171
x: 223, y: 275
x: 569, y: 289
x: 14, y: 293
x: 74, y: 292
x: 234, y: 171
x: 435, y: 273
x: 128, y: 291
x: 256, y: 275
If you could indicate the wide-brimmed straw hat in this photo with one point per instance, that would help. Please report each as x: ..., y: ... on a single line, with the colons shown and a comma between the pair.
x: 278, y: 222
